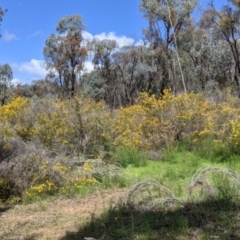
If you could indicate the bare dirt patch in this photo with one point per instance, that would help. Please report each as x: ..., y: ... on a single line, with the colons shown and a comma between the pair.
x: 51, y: 219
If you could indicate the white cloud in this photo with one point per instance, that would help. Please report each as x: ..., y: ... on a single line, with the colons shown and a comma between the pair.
x: 16, y: 81
x: 87, y: 36
x: 121, y: 40
x: 140, y: 43
x: 9, y: 37
x: 35, y: 34
x: 34, y: 67
x: 88, y: 67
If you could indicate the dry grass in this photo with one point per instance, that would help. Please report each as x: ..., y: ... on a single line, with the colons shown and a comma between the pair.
x: 51, y: 219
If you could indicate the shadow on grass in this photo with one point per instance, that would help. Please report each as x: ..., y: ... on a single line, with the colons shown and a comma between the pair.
x: 212, y: 219
x: 3, y: 209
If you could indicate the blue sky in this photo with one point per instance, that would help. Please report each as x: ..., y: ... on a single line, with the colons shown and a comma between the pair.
x: 28, y: 23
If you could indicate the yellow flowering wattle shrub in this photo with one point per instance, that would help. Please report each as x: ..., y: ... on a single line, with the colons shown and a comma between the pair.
x: 172, y: 118
x: 84, y: 125
x: 10, y: 111
x: 221, y: 124
x: 128, y: 126
x: 154, y: 123
x: 64, y: 179
x: 9, y: 114
x: 75, y: 125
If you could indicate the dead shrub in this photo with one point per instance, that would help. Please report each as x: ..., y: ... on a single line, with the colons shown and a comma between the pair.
x: 10, y: 148
x: 214, y: 182
x: 151, y: 195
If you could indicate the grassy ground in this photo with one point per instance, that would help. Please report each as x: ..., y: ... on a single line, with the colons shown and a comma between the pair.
x: 99, y: 216
x: 206, y: 218
x: 176, y: 170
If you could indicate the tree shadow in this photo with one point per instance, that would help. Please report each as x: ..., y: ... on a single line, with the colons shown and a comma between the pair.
x: 3, y: 209
x: 211, y: 219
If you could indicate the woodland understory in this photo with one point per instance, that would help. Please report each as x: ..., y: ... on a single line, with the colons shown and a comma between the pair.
x: 177, y: 91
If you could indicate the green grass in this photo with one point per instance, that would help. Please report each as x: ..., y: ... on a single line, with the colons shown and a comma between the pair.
x: 132, y: 157
x: 203, y: 218
x: 174, y: 172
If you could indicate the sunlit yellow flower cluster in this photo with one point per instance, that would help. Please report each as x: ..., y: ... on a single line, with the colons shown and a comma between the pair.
x: 10, y: 111
x: 42, y: 185
x: 154, y: 123
x: 9, y: 115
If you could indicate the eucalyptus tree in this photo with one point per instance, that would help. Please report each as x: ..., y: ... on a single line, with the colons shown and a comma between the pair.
x: 212, y: 62
x: 65, y: 53
x: 23, y: 90
x: 225, y: 25
x: 137, y: 71
x: 105, y: 66
x: 94, y: 85
x: 6, y: 75
x: 2, y: 12
x: 207, y: 61
x: 166, y: 19
x: 126, y: 61
x: 122, y: 73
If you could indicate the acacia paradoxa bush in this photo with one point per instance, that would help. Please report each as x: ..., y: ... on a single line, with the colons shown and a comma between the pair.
x: 86, y: 126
